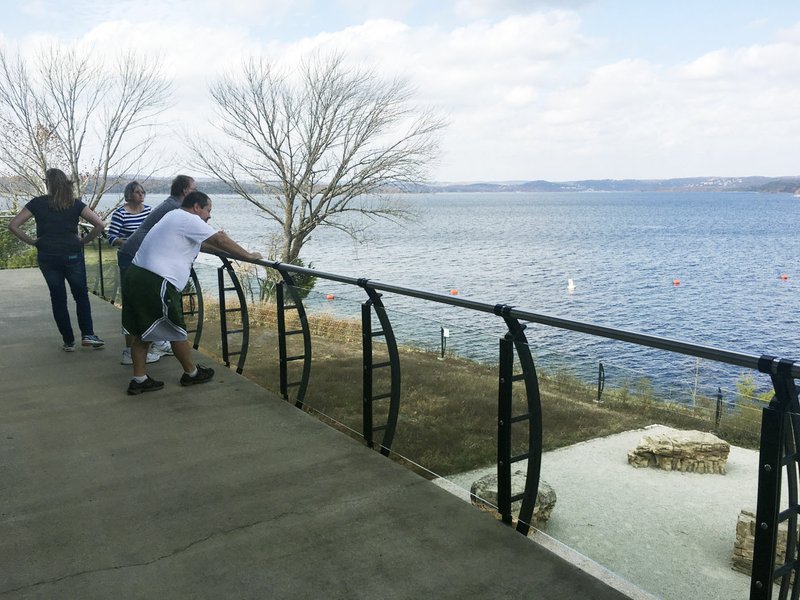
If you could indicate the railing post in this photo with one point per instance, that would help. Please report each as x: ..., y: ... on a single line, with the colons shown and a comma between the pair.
x: 516, y: 340
x: 601, y: 381
x: 100, y: 266
x: 196, y: 306
x: 366, y: 357
x: 504, y: 398
x: 223, y: 315
x: 393, y: 364
x: 780, y: 432
x: 283, y: 368
x: 225, y: 331
x: 769, y: 493
x: 283, y: 334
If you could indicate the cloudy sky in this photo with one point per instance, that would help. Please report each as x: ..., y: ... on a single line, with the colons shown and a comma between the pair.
x: 533, y: 89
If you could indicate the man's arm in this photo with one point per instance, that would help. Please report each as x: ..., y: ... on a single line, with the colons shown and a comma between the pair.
x: 221, y: 241
x: 132, y: 244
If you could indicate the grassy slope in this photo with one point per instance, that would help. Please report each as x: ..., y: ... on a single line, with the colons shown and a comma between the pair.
x: 448, y: 413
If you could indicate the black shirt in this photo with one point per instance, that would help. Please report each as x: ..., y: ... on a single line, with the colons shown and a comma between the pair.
x: 57, y: 230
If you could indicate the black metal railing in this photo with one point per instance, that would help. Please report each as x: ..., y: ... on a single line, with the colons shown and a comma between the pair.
x: 780, y: 422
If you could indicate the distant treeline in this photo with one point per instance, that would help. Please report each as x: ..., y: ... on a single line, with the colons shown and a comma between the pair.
x: 160, y: 185
x: 775, y: 185
x: 688, y: 184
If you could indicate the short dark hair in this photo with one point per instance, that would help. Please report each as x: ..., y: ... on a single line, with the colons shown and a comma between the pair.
x: 180, y: 183
x: 130, y: 188
x: 193, y: 198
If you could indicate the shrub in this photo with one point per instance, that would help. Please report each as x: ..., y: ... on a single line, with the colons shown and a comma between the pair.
x: 14, y: 253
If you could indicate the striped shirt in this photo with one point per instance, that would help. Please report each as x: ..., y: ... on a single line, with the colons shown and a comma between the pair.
x: 123, y: 223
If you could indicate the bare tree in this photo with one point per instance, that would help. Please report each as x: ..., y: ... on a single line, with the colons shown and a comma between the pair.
x: 322, y: 148
x: 93, y: 119
x: 27, y: 142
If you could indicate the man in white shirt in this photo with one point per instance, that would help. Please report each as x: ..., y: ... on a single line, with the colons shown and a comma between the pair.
x: 151, y: 290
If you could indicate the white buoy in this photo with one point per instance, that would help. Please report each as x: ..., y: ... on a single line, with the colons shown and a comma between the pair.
x: 570, y: 285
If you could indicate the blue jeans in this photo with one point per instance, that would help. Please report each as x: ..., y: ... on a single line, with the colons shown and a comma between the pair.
x: 59, y: 269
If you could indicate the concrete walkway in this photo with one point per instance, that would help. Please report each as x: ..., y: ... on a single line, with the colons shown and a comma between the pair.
x: 219, y: 491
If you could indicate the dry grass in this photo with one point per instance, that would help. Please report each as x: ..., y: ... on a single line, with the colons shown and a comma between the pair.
x: 448, y: 413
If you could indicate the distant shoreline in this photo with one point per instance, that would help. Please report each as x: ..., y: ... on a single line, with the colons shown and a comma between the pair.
x: 686, y: 184
x: 772, y: 185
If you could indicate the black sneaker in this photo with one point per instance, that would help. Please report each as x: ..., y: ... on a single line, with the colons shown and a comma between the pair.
x: 203, y: 375
x: 148, y: 385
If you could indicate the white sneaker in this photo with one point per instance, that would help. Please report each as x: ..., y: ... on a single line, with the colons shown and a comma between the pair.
x: 161, y: 348
x: 127, y: 360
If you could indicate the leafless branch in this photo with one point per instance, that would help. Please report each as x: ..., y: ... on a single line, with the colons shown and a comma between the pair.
x: 318, y: 146
x: 93, y: 118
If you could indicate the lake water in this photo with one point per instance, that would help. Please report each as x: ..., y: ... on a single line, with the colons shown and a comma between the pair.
x: 623, y: 252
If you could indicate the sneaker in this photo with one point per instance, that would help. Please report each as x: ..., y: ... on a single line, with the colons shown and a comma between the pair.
x: 92, y: 341
x: 68, y: 347
x: 203, y: 375
x: 127, y: 360
x: 161, y: 348
x: 148, y: 385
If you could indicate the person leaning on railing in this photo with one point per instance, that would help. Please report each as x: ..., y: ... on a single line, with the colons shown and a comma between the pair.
x: 151, y: 290
x: 124, y: 222
x: 60, y: 253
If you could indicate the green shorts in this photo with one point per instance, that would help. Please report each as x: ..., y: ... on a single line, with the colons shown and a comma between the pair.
x: 151, y: 307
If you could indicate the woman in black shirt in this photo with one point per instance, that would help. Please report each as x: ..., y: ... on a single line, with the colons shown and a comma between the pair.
x: 60, y: 252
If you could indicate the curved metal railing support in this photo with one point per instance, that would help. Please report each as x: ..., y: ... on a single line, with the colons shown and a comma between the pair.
x: 393, y: 395
x: 780, y: 439
x: 515, y: 339
x: 283, y: 334
x: 195, y: 301
x: 225, y: 331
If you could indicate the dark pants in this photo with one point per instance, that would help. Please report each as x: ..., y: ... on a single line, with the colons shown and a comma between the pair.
x: 70, y: 268
x: 123, y: 261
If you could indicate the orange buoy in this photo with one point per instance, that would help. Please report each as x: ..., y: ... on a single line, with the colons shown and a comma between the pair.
x: 784, y: 276
x: 454, y: 292
x: 676, y: 281
x: 329, y: 297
